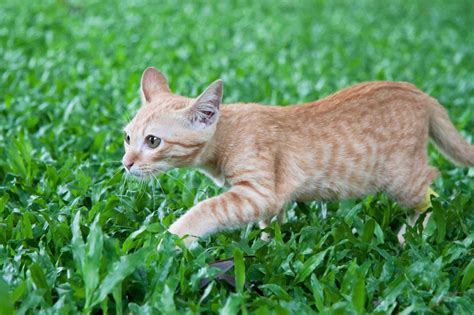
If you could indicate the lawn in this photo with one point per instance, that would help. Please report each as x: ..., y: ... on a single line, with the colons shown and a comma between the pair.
x: 76, y: 236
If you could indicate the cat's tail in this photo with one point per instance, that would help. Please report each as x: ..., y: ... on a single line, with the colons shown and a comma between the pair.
x: 448, y: 139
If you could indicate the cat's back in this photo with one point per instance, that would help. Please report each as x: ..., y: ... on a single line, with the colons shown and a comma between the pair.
x: 367, y: 99
x: 251, y: 113
x: 369, y: 93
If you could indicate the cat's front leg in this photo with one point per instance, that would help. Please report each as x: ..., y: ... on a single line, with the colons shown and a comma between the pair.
x: 238, y: 206
x: 266, y: 222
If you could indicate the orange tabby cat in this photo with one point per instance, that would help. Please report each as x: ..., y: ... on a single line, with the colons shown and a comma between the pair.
x: 367, y: 138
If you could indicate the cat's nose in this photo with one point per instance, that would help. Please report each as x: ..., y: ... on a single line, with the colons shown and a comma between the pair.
x: 129, y: 159
x: 128, y: 165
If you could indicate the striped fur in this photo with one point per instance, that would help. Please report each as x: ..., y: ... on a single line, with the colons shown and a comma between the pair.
x: 364, y: 139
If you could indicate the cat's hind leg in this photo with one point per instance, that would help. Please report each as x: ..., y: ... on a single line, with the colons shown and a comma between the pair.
x: 425, y: 204
x: 411, y: 189
x: 420, y: 208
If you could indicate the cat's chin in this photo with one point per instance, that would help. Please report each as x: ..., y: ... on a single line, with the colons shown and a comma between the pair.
x: 144, y: 176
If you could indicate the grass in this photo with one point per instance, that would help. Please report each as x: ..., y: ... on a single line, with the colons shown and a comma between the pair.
x: 75, y: 236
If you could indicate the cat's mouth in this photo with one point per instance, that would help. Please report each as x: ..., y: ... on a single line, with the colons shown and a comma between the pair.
x: 144, y: 174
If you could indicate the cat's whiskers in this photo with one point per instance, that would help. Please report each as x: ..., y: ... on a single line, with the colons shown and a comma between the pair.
x: 179, y: 181
x: 152, y: 193
x: 161, y: 188
x: 122, y: 193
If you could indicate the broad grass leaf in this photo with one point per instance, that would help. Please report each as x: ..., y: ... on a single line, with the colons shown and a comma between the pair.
x: 318, y: 292
x: 3, y: 202
x: 27, y: 231
x: 353, y: 285
x: 277, y: 290
x: 77, y: 242
x: 136, y: 309
x: 468, y: 275
x: 440, y: 219
x: 358, y: 294
x: 33, y: 299
x: 61, y: 306
x: 167, y: 300
x: 17, y: 163
x: 441, y: 293
x: 391, y: 293
x: 379, y: 234
x: 309, y: 265
x: 387, y: 216
x: 117, y: 294
x: 231, y: 305
x: 239, y: 268
x: 19, y: 291
x: 6, y: 302
x: 206, y: 292
x: 104, y: 307
x: 277, y: 229
x: 120, y: 270
x: 368, y: 232
x: 93, y: 255
x: 39, y: 279
x: 349, y: 277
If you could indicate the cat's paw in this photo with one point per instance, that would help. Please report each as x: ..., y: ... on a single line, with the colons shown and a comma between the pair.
x: 266, y: 237
x: 401, y: 236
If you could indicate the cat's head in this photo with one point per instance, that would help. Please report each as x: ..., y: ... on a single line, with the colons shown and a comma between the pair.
x: 169, y: 130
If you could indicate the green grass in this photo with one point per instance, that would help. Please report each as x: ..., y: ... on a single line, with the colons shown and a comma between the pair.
x: 75, y: 236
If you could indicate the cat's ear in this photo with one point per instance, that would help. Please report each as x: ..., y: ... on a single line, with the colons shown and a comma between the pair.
x: 205, y: 109
x: 153, y: 83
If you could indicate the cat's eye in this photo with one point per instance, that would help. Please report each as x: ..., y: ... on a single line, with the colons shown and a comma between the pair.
x: 152, y: 141
x: 127, y: 139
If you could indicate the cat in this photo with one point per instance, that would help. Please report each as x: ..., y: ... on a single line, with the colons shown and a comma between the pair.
x: 364, y: 139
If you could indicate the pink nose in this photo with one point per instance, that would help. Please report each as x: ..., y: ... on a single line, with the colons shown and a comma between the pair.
x: 128, y: 165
